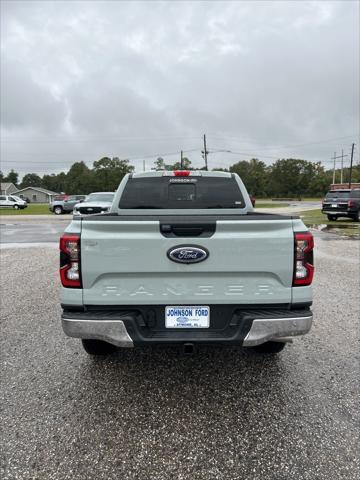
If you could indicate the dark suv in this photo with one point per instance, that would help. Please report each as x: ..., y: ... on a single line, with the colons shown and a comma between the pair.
x: 342, y: 203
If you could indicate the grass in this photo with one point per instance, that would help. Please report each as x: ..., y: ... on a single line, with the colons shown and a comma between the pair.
x: 343, y: 226
x: 32, y: 209
x: 270, y: 205
x: 295, y: 199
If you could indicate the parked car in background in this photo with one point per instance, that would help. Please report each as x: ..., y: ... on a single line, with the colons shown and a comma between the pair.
x: 342, y: 203
x: 12, y: 201
x: 26, y: 199
x: 65, y: 205
x: 62, y: 196
x: 97, y: 202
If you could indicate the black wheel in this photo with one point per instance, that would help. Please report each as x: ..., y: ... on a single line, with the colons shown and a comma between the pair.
x: 356, y: 217
x: 16, y: 207
x: 58, y: 210
x: 97, y: 347
x: 270, y: 347
x: 332, y: 218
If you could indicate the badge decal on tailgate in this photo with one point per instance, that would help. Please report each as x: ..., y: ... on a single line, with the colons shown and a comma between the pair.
x: 188, y: 254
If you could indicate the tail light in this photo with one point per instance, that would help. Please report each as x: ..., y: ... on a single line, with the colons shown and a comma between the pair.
x: 303, y: 259
x: 70, y: 266
x: 351, y: 203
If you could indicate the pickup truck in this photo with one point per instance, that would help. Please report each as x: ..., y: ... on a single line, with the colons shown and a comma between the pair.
x: 97, y: 202
x: 182, y: 259
x: 342, y: 203
x: 65, y: 204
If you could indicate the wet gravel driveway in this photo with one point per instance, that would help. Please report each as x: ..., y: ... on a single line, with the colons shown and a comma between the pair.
x: 143, y: 414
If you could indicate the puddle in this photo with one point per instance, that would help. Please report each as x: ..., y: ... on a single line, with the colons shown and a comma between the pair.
x: 339, y: 231
x: 327, y: 228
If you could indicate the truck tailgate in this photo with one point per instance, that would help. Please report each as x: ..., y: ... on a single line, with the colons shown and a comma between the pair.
x: 125, y: 262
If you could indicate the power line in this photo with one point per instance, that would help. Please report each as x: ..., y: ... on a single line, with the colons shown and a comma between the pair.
x: 272, y: 147
x: 124, y: 157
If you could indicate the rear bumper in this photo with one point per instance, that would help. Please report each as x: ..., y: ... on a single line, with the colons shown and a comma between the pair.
x: 277, y: 329
x: 247, y: 328
x: 111, y: 331
x: 339, y: 212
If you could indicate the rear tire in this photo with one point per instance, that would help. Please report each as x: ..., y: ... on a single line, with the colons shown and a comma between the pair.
x: 270, y: 347
x: 98, y: 347
x: 332, y: 218
x: 58, y: 210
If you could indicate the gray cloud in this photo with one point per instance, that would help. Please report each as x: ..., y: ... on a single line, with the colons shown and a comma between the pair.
x: 86, y: 79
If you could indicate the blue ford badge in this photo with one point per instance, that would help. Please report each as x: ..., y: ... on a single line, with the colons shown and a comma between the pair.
x: 187, y: 254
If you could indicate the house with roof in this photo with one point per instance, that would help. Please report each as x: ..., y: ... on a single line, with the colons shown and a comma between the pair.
x: 36, y: 194
x: 7, y: 188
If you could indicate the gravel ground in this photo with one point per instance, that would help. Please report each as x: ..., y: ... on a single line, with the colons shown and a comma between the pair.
x: 142, y: 414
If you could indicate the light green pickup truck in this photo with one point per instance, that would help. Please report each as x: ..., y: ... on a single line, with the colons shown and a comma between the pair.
x: 182, y: 259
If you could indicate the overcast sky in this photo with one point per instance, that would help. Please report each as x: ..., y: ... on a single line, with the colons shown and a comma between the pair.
x: 82, y: 80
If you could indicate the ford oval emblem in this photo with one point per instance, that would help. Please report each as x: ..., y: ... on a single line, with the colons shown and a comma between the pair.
x: 188, y: 254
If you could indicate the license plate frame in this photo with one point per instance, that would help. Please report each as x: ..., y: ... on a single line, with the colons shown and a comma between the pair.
x: 187, y: 316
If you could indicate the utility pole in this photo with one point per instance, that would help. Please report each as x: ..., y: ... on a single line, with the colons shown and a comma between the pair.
x: 181, y: 160
x: 334, y: 158
x: 342, y: 165
x: 144, y: 165
x: 351, y: 163
x: 205, y: 152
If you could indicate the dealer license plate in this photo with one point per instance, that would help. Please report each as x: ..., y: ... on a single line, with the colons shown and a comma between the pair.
x: 187, y: 317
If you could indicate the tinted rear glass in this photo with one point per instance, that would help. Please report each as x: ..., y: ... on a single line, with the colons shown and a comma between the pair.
x: 336, y: 194
x: 181, y: 192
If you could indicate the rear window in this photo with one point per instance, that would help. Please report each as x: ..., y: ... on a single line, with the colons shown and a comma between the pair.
x: 181, y: 192
x: 355, y: 194
x: 336, y: 194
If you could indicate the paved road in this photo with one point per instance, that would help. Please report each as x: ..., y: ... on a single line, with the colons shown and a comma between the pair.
x: 221, y: 414
x: 24, y: 234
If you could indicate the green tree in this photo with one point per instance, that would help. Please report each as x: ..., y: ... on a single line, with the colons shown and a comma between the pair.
x: 254, y: 175
x: 55, y: 182
x: 159, y: 164
x: 177, y: 165
x: 108, y: 172
x: 79, y: 179
x: 12, y: 177
x: 291, y: 177
x: 31, y: 180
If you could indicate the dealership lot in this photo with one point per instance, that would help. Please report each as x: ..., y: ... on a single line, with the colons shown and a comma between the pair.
x: 142, y: 414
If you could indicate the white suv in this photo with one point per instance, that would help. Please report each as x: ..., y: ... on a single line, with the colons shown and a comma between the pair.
x: 12, y: 201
